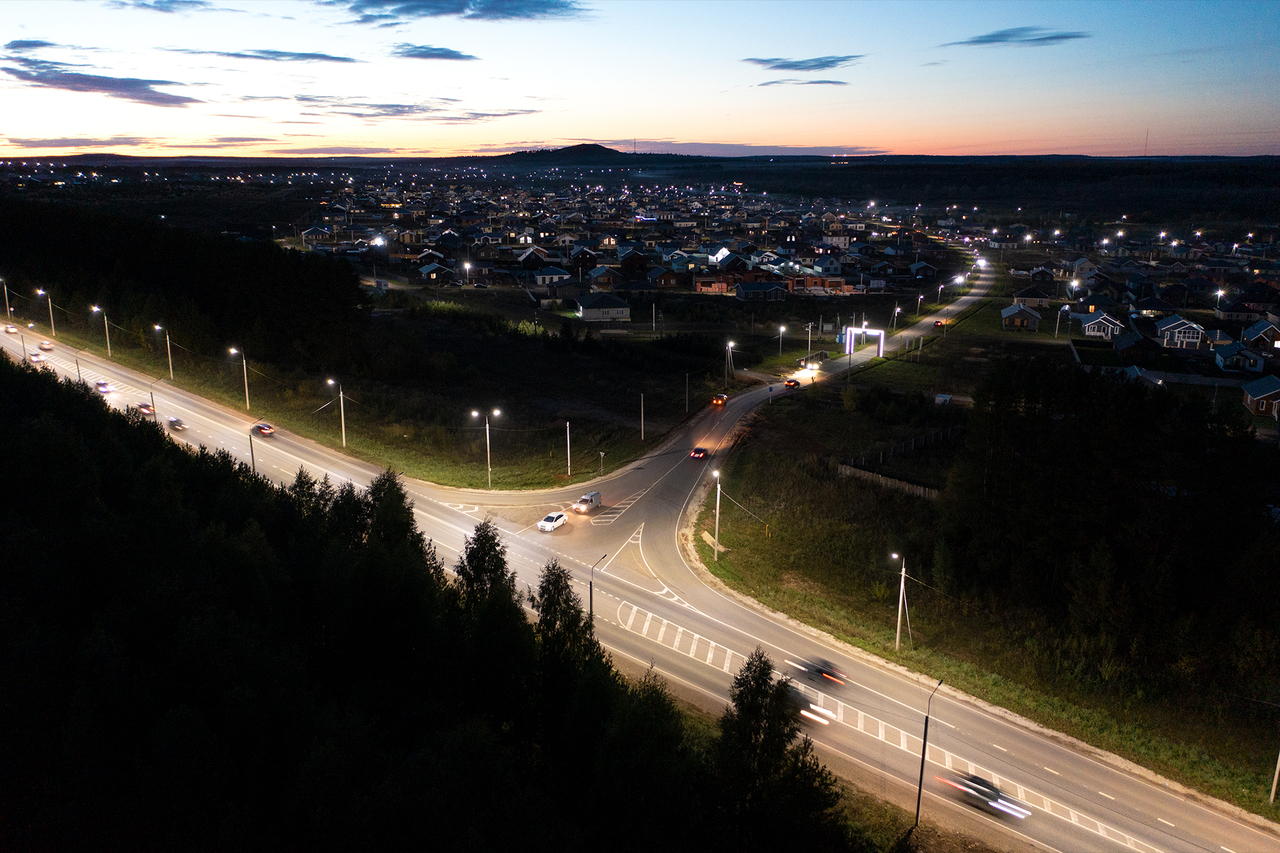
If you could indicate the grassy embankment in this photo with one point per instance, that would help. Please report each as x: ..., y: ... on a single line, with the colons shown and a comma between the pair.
x: 834, y: 571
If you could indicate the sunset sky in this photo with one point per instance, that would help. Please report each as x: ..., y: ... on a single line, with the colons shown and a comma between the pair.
x: 446, y: 77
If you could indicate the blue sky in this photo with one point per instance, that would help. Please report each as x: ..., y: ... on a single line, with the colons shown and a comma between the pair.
x: 448, y: 77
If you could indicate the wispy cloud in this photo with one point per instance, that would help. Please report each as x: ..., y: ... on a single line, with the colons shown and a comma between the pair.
x: 27, y: 44
x: 817, y: 63
x: 396, y: 12
x: 267, y: 55
x: 1019, y: 37
x: 53, y: 75
x: 79, y: 142
x: 426, y: 51
x: 794, y: 82
x: 166, y: 6
x: 439, y: 110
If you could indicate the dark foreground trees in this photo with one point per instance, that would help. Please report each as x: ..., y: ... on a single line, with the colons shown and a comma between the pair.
x: 192, y: 658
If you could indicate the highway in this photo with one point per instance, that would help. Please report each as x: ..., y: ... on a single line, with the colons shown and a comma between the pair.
x: 654, y: 605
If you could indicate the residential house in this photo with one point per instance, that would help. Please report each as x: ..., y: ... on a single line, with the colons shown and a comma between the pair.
x: 603, y: 278
x: 1262, y: 396
x: 1135, y: 347
x: 920, y: 269
x: 1178, y: 333
x: 1263, y: 336
x: 1237, y: 357
x: 603, y: 307
x: 436, y: 274
x: 760, y: 291
x: 1020, y: 318
x: 1100, y: 324
x: 1237, y: 310
x: 1041, y: 276
x: 549, y: 275
x: 1031, y: 296
x: 1153, y: 306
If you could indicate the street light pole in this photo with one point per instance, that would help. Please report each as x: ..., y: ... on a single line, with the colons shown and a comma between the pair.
x: 591, y: 588
x: 902, y: 600
x: 342, y: 412
x: 106, y: 330
x: 924, y: 749
x: 781, y: 329
x: 8, y: 312
x: 488, y: 458
x: 244, y: 362
x: 52, y: 328
x: 568, y: 452
x: 168, y: 350
x: 716, y: 548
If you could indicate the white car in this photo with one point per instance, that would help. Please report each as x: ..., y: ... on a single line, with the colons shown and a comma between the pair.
x: 551, y: 522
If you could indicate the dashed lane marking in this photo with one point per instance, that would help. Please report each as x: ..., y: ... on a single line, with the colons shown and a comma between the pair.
x: 654, y: 627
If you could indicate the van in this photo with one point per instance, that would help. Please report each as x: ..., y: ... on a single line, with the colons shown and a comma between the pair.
x: 587, y: 502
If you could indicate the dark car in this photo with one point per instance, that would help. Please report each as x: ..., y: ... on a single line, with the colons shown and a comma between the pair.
x: 824, y: 673
x: 146, y: 408
x: 792, y: 383
x: 176, y: 424
x: 104, y: 386
x: 982, y: 793
x: 719, y: 399
x: 263, y: 429
x: 698, y: 453
x: 938, y: 323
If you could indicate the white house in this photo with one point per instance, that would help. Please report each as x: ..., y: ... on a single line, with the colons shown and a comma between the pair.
x: 1100, y: 324
x: 603, y: 307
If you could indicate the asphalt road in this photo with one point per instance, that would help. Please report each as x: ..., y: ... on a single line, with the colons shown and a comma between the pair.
x: 654, y: 607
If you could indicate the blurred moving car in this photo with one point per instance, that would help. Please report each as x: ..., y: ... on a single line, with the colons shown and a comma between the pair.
x: 983, y: 794
x: 552, y: 521
x: 176, y: 424
x: 698, y: 453
x: 587, y: 502
x: 12, y: 330
x: 146, y: 408
x: 792, y: 383
x: 937, y: 323
x: 35, y: 357
x: 263, y: 429
x: 103, y: 386
x: 719, y: 399
x: 47, y: 346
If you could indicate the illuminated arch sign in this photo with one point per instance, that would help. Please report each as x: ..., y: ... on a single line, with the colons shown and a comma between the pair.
x: 849, y: 340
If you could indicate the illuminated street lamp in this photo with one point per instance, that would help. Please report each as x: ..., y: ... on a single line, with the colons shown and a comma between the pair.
x: 52, y: 330
x: 896, y: 312
x: 244, y: 362
x: 781, y: 329
x: 1061, y: 311
x: 716, y: 474
x: 728, y: 363
x: 168, y: 349
x: 105, y: 329
x: 1219, y: 302
x: 488, y: 459
x: 342, y: 411
x: 902, y: 600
